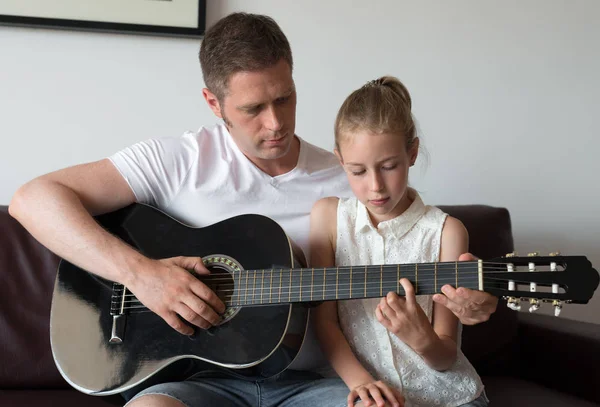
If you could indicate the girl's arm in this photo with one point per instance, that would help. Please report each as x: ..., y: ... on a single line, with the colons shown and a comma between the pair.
x: 404, y: 317
x: 323, y: 226
x: 442, y: 354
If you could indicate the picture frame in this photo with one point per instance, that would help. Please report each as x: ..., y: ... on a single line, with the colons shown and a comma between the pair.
x: 183, y: 18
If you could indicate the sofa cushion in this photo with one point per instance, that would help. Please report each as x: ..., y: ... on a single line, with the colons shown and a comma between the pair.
x: 27, y: 273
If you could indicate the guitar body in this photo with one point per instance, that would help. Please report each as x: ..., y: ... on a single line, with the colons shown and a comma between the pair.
x: 254, y: 341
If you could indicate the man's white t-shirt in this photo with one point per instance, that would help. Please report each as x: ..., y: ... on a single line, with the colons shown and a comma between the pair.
x: 203, y: 178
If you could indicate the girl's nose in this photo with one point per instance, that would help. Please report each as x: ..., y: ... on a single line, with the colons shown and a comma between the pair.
x: 376, y: 182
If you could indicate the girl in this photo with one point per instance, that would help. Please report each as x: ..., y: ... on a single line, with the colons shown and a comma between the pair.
x: 394, y: 350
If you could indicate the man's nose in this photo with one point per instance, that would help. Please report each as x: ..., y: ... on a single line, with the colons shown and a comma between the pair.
x: 273, y: 119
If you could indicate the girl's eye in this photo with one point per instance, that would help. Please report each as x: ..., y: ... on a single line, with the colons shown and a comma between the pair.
x: 357, y: 173
x: 390, y: 167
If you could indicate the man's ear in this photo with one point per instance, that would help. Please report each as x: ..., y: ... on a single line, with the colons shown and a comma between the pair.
x: 414, y: 151
x: 339, y: 156
x: 212, y: 102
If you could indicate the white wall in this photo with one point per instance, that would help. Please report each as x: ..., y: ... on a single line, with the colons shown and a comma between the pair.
x: 506, y: 94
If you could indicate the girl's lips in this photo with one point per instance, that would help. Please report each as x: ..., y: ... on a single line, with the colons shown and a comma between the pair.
x: 379, y: 202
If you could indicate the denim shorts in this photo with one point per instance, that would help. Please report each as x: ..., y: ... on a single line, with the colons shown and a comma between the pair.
x: 289, y: 389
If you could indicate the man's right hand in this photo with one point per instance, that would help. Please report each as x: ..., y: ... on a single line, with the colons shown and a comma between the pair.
x: 169, y: 289
x: 57, y: 210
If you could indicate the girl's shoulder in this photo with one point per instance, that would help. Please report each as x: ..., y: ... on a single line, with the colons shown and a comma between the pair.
x: 324, y: 210
x: 326, y: 205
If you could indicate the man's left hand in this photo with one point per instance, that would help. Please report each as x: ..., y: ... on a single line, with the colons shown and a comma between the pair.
x: 470, y: 306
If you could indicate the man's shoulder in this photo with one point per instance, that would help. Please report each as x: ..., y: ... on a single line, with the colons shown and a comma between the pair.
x: 208, y: 135
x: 213, y: 138
x: 319, y: 159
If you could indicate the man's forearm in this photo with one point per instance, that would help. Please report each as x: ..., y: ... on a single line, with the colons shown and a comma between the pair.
x: 57, y: 218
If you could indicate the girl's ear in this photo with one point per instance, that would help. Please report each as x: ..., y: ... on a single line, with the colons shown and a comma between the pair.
x: 414, y: 151
x: 339, y: 156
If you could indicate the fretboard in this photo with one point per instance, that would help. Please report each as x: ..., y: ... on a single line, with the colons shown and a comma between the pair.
x: 272, y: 286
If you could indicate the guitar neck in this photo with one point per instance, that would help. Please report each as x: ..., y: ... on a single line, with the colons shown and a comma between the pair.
x: 273, y: 286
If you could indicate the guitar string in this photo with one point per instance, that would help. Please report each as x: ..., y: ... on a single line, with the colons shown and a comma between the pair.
x: 340, y: 291
x: 256, y: 285
x: 441, y: 280
x: 218, y: 276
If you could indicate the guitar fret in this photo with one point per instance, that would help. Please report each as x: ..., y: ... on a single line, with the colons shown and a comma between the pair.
x: 271, y: 288
x: 381, y: 281
x: 435, y: 277
x: 262, y: 280
x: 350, y: 281
x: 456, y: 266
x: 337, y: 274
x: 254, y: 289
x: 398, y: 279
x: 246, y: 289
x: 365, y: 281
x: 416, y: 278
x: 300, y: 293
x: 290, y: 293
x: 280, y: 281
x: 324, y: 282
x: 312, y: 283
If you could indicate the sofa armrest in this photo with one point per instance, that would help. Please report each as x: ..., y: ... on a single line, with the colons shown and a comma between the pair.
x: 561, y: 354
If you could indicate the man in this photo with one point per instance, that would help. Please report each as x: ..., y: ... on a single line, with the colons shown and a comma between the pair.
x: 252, y: 163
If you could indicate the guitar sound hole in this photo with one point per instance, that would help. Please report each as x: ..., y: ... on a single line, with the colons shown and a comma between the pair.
x: 221, y: 281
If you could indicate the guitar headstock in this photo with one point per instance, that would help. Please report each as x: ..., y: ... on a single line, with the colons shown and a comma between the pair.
x: 554, y: 278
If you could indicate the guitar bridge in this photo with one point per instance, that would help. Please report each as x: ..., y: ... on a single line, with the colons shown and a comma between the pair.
x: 117, y: 310
x: 118, y: 329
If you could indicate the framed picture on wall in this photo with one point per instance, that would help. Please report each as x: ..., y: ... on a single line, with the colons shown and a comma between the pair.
x: 186, y: 18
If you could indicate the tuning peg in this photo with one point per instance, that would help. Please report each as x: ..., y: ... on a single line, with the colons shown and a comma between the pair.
x: 514, y: 303
x: 513, y: 254
x: 553, y: 254
x: 535, y: 305
x: 533, y: 254
x: 557, y: 307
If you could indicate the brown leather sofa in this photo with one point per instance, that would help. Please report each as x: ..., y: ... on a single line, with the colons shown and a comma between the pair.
x: 524, y: 360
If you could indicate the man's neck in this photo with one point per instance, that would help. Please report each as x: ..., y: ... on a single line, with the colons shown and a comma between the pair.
x: 281, y: 165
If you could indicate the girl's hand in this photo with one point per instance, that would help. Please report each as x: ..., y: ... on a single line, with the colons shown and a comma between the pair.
x: 378, y: 391
x: 405, y: 318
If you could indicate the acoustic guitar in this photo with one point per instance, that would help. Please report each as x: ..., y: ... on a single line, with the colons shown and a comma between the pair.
x: 105, y: 341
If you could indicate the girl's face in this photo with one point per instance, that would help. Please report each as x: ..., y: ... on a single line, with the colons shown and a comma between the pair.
x: 377, y: 168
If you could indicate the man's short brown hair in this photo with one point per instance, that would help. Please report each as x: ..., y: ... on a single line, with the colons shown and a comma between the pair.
x: 241, y: 42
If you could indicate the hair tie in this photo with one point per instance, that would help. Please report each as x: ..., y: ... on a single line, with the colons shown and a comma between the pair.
x: 374, y: 83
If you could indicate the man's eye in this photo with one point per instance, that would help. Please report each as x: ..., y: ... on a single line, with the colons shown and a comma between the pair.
x: 281, y: 101
x: 253, y: 111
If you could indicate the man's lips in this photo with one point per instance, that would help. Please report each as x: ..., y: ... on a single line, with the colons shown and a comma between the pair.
x: 275, y: 140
